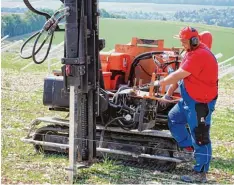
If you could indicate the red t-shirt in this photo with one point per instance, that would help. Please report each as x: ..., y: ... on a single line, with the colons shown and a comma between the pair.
x: 202, y: 84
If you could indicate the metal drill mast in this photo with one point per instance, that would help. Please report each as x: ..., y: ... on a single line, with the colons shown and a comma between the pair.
x: 81, y: 78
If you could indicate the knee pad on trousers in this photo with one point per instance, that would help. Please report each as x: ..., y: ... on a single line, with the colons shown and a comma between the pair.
x: 202, y: 131
x: 202, y: 134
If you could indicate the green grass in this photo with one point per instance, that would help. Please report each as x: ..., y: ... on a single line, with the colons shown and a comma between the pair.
x: 22, y: 102
x: 223, y: 119
x: 20, y: 163
x: 117, y: 31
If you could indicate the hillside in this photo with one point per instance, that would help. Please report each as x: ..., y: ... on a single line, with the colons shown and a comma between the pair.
x: 192, y: 2
x: 22, y: 102
x: 121, y: 31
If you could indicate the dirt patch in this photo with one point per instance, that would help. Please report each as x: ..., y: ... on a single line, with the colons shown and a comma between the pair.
x: 22, y: 81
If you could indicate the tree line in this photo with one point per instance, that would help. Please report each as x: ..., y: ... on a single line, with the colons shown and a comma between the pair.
x: 23, y: 23
x: 221, y: 17
x: 18, y: 23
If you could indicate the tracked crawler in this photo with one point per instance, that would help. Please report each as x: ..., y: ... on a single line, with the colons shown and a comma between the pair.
x: 114, y: 108
x: 132, y: 126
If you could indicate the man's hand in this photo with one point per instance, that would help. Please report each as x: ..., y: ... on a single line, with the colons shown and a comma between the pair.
x: 164, y: 103
x: 157, y: 83
x: 172, y: 78
x: 166, y: 97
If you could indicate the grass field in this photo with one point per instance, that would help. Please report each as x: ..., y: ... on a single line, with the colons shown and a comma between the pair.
x: 121, y: 31
x: 22, y: 102
x: 152, y: 7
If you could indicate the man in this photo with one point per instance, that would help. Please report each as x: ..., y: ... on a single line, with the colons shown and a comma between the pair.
x: 198, y: 82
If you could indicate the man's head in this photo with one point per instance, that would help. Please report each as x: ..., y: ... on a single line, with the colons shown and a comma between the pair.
x: 189, y: 38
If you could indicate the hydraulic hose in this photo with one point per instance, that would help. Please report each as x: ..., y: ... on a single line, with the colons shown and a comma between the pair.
x: 24, y: 44
x: 46, y: 27
x: 60, y: 11
x: 48, y: 49
x: 140, y: 57
x: 121, y: 124
x: 50, y: 26
x: 144, y: 56
x: 29, y: 6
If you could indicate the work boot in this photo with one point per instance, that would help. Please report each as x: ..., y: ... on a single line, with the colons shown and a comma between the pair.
x: 185, y: 154
x: 199, y: 177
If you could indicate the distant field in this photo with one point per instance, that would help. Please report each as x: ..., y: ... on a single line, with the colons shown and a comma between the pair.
x: 117, y: 31
x: 113, y: 6
x: 8, y: 13
x: 152, y: 7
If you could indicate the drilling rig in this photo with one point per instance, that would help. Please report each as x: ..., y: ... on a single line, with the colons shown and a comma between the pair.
x: 114, y: 108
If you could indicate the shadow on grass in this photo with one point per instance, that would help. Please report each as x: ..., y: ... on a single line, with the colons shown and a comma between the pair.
x: 112, y: 173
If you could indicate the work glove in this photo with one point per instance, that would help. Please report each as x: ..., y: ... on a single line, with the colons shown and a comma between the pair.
x: 164, y: 104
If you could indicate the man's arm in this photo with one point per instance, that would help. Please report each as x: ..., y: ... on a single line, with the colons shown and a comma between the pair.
x: 171, y: 89
x: 174, y: 77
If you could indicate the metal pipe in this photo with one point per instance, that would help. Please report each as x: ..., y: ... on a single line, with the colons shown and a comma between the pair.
x: 224, y: 62
x: 5, y: 37
x: 151, y: 90
x: 44, y: 143
x: 105, y: 150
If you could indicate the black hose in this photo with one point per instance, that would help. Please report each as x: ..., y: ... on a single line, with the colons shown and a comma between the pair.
x: 120, y: 123
x: 22, y: 47
x: 50, y: 27
x: 144, y: 70
x: 113, y: 120
x: 29, y: 6
x: 46, y: 27
x: 135, y: 62
x: 128, y: 125
x: 168, y: 63
x: 48, y: 49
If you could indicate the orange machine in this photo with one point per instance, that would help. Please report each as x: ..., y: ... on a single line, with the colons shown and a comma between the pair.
x: 117, y: 64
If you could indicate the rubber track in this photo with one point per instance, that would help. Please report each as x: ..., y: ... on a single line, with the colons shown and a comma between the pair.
x: 149, y: 164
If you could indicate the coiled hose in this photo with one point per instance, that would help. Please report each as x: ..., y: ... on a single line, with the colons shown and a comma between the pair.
x: 50, y: 34
x: 50, y: 26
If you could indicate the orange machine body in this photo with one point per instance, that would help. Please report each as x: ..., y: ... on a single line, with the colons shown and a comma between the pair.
x: 116, y: 64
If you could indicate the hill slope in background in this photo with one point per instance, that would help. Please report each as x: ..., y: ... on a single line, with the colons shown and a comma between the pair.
x: 22, y: 103
x: 117, y: 31
x: 193, y: 2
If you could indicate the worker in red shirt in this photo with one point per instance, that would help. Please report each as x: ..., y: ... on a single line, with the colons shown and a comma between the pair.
x: 197, y: 79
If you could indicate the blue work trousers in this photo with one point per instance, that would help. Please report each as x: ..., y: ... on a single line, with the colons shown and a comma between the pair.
x: 184, y: 113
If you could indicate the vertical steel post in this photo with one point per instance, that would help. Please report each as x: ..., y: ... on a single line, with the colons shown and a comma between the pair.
x: 81, y: 80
